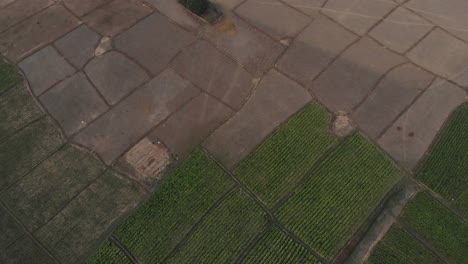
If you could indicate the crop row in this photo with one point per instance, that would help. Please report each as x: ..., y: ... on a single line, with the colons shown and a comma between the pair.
x: 340, y: 195
x: 224, y: 234
x: 398, y: 246
x: 438, y: 225
x: 159, y: 225
x: 445, y: 170
x: 275, y: 247
x: 109, y: 253
x: 283, y: 159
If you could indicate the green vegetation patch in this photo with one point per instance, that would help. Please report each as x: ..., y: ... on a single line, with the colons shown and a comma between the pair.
x: 21, y: 152
x: 278, y: 248
x: 438, y: 225
x: 17, y: 109
x: 9, y: 76
x: 398, y: 246
x: 224, y: 234
x: 462, y: 202
x: 198, y: 7
x: 445, y: 170
x: 109, y: 253
x: 159, y: 225
x: 75, y: 233
x: 42, y: 193
x: 340, y: 195
x: 285, y: 157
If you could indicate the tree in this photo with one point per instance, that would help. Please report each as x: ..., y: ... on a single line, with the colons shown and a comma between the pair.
x: 196, y: 6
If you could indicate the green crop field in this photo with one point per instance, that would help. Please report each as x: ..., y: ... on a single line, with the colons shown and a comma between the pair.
x: 8, y: 76
x: 109, y: 253
x: 275, y: 247
x: 283, y: 159
x: 438, y: 225
x: 224, y: 234
x: 26, y: 149
x: 398, y: 246
x: 340, y: 195
x: 157, y: 227
x: 445, y: 170
x: 462, y: 203
x: 17, y: 109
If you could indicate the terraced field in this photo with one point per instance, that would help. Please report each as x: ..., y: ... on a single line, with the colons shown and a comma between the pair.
x: 398, y: 246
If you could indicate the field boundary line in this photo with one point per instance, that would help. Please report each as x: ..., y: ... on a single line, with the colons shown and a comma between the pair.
x: 428, y: 245
x: 346, y: 251
x: 442, y: 201
x: 308, y: 173
x: 388, y: 207
x: 39, y: 163
x: 267, y: 211
x: 253, y: 244
x: 273, y: 131
x: 20, y: 129
x: 116, y: 241
x: 27, y: 233
x: 195, y: 227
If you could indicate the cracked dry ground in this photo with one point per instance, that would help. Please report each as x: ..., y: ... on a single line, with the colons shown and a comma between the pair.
x: 115, y: 90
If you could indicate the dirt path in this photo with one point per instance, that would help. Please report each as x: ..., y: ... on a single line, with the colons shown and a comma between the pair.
x: 393, y: 207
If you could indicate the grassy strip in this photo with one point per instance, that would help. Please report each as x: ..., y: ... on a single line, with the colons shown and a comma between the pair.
x: 462, y: 202
x: 283, y: 159
x: 109, y: 253
x: 398, y: 246
x: 8, y: 76
x: 26, y: 149
x: 445, y: 170
x: 278, y: 248
x: 439, y: 226
x: 222, y: 237
x: 17, y: 109
x: 157, y: 227
x: 340, y: 195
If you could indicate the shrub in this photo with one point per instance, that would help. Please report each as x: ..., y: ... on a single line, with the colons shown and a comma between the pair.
x: 198, y: 7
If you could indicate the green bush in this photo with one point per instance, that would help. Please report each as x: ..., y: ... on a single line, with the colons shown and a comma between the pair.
x: 196, y: 6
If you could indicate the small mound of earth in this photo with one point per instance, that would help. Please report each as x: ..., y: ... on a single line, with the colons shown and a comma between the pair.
x: 343, y: 125
x: 104, y: 46
x: 146, y: 162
